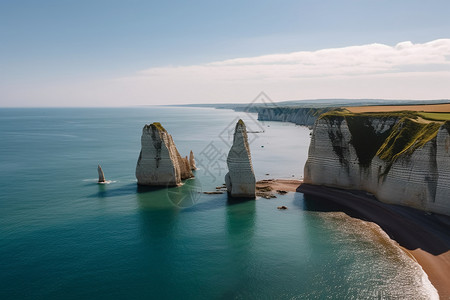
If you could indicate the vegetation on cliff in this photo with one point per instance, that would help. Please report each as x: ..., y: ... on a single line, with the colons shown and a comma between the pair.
x: 157, y: 125
x: 406, y: 136
x: 408, y: 132
x: 436, y: 116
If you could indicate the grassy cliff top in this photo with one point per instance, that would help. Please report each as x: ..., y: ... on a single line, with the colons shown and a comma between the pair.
x: 406, y: 136
x: 157, y: 126
x: 343, y: 112
x: 416, y: 115
x: 428, y: 107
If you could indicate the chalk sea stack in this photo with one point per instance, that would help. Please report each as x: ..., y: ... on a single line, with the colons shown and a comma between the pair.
x: 160, y: 163
x: 240, y: 179
x: 101, y: 176
x: 192, y: 161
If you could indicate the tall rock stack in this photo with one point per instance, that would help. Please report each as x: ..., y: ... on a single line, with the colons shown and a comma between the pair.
x: 160, y: 163
x: 240, y: 179
x: 192, y: 161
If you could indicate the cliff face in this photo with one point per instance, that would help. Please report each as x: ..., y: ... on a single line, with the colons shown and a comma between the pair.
x: 398, y: 159
x: 299, y: 115
x: 160, y: 163
x: 240, y: 179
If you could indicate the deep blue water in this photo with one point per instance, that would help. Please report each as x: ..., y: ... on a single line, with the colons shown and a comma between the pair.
x: 63, y: 236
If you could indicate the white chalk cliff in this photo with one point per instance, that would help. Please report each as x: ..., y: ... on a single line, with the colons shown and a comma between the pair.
x: 160, y: 163
x: 298, y: 115
x: 240, y: 179
x: 398, y: 159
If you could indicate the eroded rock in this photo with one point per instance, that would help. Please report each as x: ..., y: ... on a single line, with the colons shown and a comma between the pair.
x: 160, y: 163
x: 240, y: 179
x: 192, y: 161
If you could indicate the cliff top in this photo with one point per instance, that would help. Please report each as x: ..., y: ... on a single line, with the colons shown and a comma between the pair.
x: 419, y: 116
x: 430, y: 108
x: 157, y: 126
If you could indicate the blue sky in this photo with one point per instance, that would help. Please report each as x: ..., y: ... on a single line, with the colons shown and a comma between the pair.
x: 68, y: 52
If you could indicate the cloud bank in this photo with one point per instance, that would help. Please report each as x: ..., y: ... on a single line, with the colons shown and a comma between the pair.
x: 403, y: 71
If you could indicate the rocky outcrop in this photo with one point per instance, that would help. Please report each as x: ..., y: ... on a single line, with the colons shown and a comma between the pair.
x: 101, y: 176
x: 240, y: 179
x: 305, y: 116
x: 400, y: 159
x: 185, y: 169
x: 192, y: 161
x: 160, y: 163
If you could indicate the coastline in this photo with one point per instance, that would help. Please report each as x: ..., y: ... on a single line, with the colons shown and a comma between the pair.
x: 267, y: 188
x: 424, y: 237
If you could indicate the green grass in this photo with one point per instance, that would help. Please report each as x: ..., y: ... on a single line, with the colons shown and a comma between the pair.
x: 403, y: 138
x: 158, y: 126
x: 435, y: 116
x: 396, y: 114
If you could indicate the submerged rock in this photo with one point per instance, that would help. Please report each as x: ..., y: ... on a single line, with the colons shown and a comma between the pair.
x: 101, y: 176
x: 240, y: 179
x: 160, y: 163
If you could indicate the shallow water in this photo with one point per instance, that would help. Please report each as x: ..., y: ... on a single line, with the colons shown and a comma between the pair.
x: 64, y: 236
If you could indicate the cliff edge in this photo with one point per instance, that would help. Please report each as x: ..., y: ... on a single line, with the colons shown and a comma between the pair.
x: 305, y: 116
x: 399, y: 157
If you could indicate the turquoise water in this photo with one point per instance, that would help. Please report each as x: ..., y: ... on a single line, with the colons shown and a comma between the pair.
x: 63, y: 236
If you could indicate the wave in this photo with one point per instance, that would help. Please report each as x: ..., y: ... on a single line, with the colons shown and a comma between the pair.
x: 405, y: 278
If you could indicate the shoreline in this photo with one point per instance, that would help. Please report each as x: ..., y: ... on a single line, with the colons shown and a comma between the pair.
x: 267, y: 188
x: 425, y: 237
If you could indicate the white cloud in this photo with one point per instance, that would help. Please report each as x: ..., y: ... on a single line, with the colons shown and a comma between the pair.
x: 367, y: 71
x: 403, y: 71
x: 348, y: 61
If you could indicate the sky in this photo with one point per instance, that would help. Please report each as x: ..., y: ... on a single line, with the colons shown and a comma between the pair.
x: 122, y: 53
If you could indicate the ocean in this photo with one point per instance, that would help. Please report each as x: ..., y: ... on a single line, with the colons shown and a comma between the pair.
x: 63, y: 236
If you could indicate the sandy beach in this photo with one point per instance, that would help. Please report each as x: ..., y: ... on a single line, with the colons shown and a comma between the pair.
x: 425, y: 237
x: 267, y: 188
